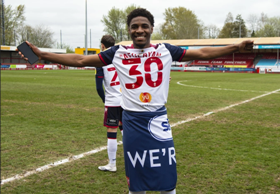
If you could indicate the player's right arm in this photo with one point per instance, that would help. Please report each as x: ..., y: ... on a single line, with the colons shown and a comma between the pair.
x: 73, y: 60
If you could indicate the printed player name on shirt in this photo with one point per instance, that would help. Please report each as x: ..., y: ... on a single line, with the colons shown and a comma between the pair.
x: 134, y: 55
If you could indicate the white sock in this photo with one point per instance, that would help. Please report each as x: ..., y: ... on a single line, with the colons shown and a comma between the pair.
x: 112, y: 150
x: 137, y: 192
x: 168, y: 192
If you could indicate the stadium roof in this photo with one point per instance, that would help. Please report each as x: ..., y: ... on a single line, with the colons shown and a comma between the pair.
x: 215, y: 42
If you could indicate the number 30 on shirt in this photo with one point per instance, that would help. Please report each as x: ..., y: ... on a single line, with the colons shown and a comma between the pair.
x: 147, y: 68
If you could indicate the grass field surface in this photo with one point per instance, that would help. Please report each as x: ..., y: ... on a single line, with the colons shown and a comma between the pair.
x: 50, y: 115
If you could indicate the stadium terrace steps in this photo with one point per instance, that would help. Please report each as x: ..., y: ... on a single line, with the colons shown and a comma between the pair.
x: 267, y: 63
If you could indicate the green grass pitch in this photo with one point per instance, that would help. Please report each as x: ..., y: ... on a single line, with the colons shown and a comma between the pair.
x: 49, y: 115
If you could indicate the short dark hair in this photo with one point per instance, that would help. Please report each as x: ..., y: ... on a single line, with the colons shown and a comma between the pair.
x: 108, y: 41
x: 140, y: 12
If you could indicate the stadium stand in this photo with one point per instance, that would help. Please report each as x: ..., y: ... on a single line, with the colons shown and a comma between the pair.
x: 269, y: 56
x: 265, y: 47
x: 265, y: 54
x: 267, y: 63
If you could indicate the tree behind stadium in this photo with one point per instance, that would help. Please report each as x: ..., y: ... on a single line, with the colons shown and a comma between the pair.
x: 40, y: 35
x: 13, y: 19
x: 16, y: 31
x: 231, y: 28
x: 115, y: 22
x: 181, y: 23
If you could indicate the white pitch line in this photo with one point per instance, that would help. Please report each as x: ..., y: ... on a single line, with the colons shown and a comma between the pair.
x: 225, y: 108
x: 70, y: 159
x: 57, y: 163
x: 219, y: 88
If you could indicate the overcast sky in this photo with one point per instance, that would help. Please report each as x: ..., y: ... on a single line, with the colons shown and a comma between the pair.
x: 69, y: 15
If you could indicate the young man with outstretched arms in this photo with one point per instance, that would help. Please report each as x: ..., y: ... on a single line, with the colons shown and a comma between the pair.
x: 108, y: 77
x: 144, y: 72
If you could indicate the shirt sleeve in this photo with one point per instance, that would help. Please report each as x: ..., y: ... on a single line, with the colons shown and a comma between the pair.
x: 99, y: 76
x: 176, y: 52
x: 107, y: 56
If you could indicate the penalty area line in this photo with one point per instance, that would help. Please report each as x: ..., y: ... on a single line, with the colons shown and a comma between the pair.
x: 224, y: 108
x: 76, y: 157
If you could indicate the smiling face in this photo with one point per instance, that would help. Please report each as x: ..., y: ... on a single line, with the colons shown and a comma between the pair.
x: 140, y: 30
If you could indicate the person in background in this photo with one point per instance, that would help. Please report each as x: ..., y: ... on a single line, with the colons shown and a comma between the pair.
x: 107, y: 76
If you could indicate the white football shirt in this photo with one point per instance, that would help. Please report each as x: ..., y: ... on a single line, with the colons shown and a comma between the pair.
x: 143, y: 74
x: 112, y: 86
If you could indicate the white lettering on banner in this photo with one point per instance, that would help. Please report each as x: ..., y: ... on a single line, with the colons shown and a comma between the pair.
x: 171, y: 156
x: 203, y: 62
x: 137, y: 157
x: 163, y: 151
x: 236, y: 62
x: 154, y: 159
x: 219, y: 62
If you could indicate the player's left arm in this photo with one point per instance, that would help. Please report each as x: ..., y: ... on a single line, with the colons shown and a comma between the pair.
x: 99, y: 76
x: 215, y: 52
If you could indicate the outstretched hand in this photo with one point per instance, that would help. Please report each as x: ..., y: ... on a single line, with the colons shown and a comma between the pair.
x: 34, y: 48
x: 246, y: 45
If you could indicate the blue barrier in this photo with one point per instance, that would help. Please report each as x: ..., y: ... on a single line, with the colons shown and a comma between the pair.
x: 213, y: 69
x: 177, y: 68
x: 5, y: 66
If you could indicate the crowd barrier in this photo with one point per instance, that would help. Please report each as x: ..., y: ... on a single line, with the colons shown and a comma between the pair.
x: 213, y: 69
